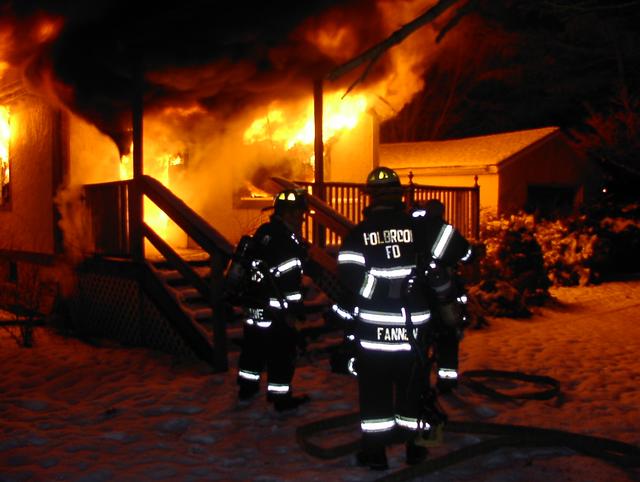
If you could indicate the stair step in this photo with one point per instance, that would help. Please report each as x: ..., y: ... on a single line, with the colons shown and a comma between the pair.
x: 200, y: 313
x: 187, y: 293
x: 191, y: 255
x: 174, y: 276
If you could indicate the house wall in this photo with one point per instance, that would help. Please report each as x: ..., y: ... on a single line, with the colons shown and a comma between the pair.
x: 551, y: 163
x: 352, y: 155
x: 28, y: 223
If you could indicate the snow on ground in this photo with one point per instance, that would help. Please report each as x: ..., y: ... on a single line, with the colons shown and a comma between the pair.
x: 75, y: 411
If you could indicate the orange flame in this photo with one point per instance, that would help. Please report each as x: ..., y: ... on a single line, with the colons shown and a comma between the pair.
x: 47, y: 29
x: 283, y: 127
x: 157, y: 168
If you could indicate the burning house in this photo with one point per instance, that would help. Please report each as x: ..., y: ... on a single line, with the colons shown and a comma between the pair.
x: 122, y: 143
x: 137, y: 146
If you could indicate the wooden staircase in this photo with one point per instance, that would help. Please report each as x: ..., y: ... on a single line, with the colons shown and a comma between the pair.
x: 187, y: 284
x: 196, y: 307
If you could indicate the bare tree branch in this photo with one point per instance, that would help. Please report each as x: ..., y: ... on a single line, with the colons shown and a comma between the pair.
x: 461, y: 12
x: 371, y: 55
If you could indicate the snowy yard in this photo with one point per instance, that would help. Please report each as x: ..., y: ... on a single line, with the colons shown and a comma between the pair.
x: 79, y: 412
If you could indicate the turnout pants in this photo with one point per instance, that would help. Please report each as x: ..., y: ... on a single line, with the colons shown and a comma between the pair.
x: 269, y: 345
x: 390, y: 386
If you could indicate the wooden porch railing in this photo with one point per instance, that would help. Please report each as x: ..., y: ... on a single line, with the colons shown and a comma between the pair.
x: 109, y: 206
x: 462, y: 206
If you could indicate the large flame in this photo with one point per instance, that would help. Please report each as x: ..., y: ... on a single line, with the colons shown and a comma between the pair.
x: 290, y: 126
x: 293, y: 126
x: 277, y: 126
x: 157, y: 168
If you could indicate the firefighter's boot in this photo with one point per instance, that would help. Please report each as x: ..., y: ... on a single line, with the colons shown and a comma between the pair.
x: 375, y: 459
x: 415, y: 454
x: 373, y: 453
x: 248, y: 391
x: 289, y: 402
x: 446, y: 385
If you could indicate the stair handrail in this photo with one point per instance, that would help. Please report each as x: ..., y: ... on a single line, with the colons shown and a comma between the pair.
x: 209, y: 239
x: 214, y: 243
x: 324, y: 213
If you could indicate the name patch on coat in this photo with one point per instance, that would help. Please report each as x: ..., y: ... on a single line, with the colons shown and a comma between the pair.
x: 395, y: 334
x: 388, y: 236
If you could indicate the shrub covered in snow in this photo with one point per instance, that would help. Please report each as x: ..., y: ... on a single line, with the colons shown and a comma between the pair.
x: 570, y: 248
x: 512, y: 270
x: 524, y: 256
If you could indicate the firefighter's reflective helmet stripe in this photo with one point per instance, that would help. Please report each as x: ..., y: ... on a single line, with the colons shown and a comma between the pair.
x: 392, y: 273
x: 419, y: 213
x: 279, y: 388
x: 447, y: 373
x: 407, y: 422
x: 444, y: 237
x: 377, y: 424
x: 341, y: 312
x: 275, y: 303
x: 249, y: 375
x: 286, y: 266
x: 368, y: 286
x: 381, y: 346
x: 467, y: 255
x: 293, y: 296
x: 393, y: 318
x: 353, y: 257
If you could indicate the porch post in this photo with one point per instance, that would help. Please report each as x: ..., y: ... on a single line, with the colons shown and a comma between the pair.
x: 318, y: 145
x: 136, y: 210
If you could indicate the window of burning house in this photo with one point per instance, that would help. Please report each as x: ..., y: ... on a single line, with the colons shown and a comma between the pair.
x: 5, y: 171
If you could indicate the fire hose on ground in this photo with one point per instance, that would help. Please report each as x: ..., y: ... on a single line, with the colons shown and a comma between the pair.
x: 504, y: 435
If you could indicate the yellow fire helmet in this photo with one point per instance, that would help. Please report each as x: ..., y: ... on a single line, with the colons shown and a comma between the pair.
x: 290, y: 199
x: 383, y: 177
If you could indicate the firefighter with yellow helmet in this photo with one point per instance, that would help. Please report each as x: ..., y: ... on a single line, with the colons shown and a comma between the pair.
x: 275, y: 300
x: 377, y: 260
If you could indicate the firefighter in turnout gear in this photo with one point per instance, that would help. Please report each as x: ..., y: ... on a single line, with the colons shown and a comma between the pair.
x: 275, y: 301
x: 377, y: 259
x: 445, y: 248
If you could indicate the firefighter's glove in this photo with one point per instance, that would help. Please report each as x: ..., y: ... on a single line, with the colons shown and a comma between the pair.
x: 343, y: 358
x: 431, y: 436
x: 352, y: 366
x: 350, y: 344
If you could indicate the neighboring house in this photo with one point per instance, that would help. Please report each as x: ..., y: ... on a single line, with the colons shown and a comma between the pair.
x: 531, y: 170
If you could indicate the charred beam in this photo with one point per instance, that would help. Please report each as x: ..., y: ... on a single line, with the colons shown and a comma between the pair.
x: 371, y: 55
